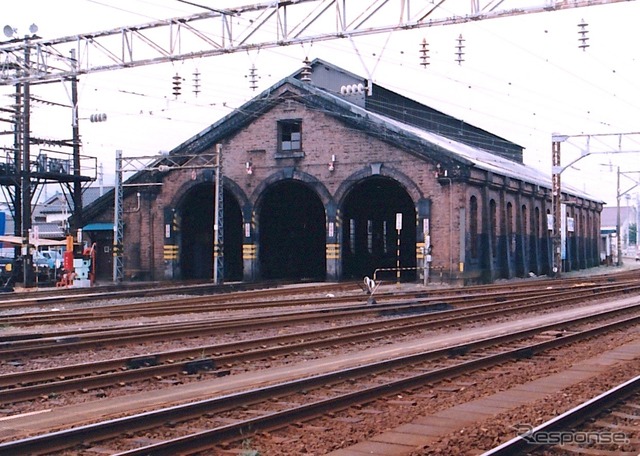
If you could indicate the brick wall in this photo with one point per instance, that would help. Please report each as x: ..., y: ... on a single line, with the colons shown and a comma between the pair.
x: 322, y: 137
x: 356, y: 154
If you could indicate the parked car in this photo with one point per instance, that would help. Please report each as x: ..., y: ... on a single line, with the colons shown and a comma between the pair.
x: 51, y: 259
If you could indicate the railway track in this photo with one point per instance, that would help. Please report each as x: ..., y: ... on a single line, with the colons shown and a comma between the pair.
x: 247, y: 301
x: 15, y: 305
x: 29, y: 385
x: 23, y: 344
x: 604, y: 425
x: 208, y: 292
x: 390, y: 317
x: 311, y: 396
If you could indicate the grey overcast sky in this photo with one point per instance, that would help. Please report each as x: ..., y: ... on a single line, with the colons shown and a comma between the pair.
x: 523, y: 78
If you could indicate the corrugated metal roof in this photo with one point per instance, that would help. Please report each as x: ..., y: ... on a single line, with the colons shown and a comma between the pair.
x: 478, y: 157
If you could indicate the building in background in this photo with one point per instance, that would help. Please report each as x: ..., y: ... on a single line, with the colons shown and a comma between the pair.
x: 329, y: 176
x: 628, y: 227
x: 50, y: 218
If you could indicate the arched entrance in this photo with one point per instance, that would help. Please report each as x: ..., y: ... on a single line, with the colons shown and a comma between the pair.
x: 291, y: 232
x: 196, y: 227
x: 369, y: 235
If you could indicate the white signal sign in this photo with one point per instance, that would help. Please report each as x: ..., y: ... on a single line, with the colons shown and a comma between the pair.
x: 399, y: 221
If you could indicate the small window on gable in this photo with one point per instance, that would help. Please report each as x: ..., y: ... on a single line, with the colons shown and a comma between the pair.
x: 289, y: 136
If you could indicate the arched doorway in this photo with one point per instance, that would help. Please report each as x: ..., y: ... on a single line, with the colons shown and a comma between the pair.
x: 196, y: 227
x: 369, y: 235
x: 291, y: 232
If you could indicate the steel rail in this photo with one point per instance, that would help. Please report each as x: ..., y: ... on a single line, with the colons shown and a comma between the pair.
x: 191, y: 304
x: 204, y: 304
x: 577, y: 415
x: 199, y: 304
x: 160, y: 308
x: 63, y: 342
x: 46, y: 443
x: 214, y: 292
x: 60, y: 342
x: 210, y: 358
x: 111, y: 310
x: 240, y: 290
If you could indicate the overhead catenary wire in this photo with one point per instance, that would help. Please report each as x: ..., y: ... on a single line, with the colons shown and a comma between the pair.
x: 488, y: 86
x: 539, y: 95
x: 228, y: 104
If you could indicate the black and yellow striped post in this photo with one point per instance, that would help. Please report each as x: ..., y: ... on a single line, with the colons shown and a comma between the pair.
x: 249, y: 260
x: 248, y: 252
x: 170, y: 252
x: 333, y: 251
x: 332, y: 243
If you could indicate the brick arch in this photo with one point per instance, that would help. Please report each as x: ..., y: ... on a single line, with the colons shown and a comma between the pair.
x: 227, y: 184
x: 290, y: 174
x: 233, y: 236
x: 412, y: 189
x: 369, y: 240
x: 290, y: 229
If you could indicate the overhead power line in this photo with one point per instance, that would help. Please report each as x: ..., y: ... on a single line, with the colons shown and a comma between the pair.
x: 266, y: 25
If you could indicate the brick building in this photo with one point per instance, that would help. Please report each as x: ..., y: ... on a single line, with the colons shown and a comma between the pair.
x: 317, y: 169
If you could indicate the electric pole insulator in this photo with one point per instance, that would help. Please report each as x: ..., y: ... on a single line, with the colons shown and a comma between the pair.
x: 460, y: 50
x: 305, y: 75
x: 196, y: 82
x: 253, y: 77
x: 102, y: 117
x: 424, y: 53
x: 177, y: 82
x: 582, y: 35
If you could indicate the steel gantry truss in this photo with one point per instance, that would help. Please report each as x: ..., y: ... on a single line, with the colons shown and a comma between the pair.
x: 164, y: 164
x: 258, y: 26
x: 588, y: 148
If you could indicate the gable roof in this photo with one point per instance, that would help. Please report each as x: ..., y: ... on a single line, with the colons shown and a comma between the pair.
x: 380, y: 100
x: 347, y: 109
x: 439, y: 146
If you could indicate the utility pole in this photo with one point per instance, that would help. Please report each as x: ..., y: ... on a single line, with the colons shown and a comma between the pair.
x: 619, y: 194
x: 77, y: 184
x: 155, y: 163
x: 16, y: 169
x: 637, y: 225
x: 618, y: 237
x: 218, y: 218
x: 25, y: 176
x: 556, y: 196
x: 556, y: 203
x: 398, y: 230
x: 118, y: 224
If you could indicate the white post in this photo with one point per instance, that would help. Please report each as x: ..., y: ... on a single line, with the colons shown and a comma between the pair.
x: 398, y: 229
x: 218, y: 273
